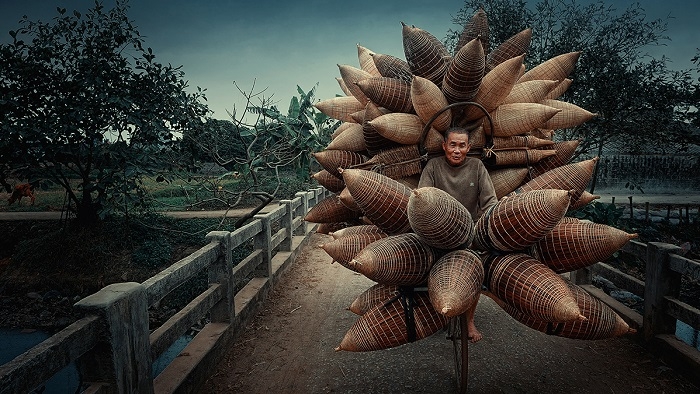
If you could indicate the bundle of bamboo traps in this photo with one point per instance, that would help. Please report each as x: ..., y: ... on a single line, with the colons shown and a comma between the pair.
x: 393, y: 115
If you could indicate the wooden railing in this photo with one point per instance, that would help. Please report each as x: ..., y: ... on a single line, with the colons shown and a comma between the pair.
x: 112, y: 346
x: 656, y: 327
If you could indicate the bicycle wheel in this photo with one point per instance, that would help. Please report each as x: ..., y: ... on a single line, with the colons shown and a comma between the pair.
x: 456, y: 327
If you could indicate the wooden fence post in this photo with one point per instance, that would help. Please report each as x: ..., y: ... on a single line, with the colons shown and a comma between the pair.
x: 287, y: 222
x: 301, y: 211
x: 222, y: 272
x: 262, y: 242
x: 123, y: 360
x: 660, y: 281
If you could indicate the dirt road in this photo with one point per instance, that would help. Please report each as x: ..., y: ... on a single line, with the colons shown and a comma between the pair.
x: 289, y: 349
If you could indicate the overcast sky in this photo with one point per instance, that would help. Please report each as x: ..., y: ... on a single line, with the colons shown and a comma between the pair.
x: 282, y: 44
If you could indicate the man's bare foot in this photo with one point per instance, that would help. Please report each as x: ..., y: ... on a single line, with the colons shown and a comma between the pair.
x: 474, y: 334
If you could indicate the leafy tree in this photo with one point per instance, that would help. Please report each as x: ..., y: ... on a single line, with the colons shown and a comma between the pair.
x: 83, y: 104
x: 637, y: 98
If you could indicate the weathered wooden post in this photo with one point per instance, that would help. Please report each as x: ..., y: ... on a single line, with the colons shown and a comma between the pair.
x: 221, y: 272
x: 262, y: 241
x: 660, y: 282
x: 122, y: 361
x: 301, y: 211
x: 287, y: 222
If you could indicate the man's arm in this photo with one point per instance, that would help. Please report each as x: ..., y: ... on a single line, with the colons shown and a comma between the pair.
x: 487, y: 193
x: 426, y: 176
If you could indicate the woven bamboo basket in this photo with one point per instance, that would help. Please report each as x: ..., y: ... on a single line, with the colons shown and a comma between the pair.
x: 428, y: 99
x: 359, y: 116
x: 530, y: 287
x: 505, y: 180
x: 573, y: 176
x: 352, y: 139
x: 465, y: 73
x: 476, y: 27
x: 343, y: 87
x: 515, y: 157
x: 516, y: 222
x: 350, y: 76
x: 330, y: 210
x: 384, y: 326
x: 375, y: 295
x: 545, y: 134
x: 343, y: 126
x: 375, y: 142
x: 495, y: 87
x: 329, y: 181
x: 565, y: 151
x: 585, y: 199
x: 433, y: 142
x: 392, y: 67
x: 359, y: 229
x: 602, y: 322
x: 401, y: 259
x: 396, y: 163
x: 328, y: 228
x: 510, y: 48
x: 577, y: 244
x: 518, y: 118
x: 439, y: 219
x: 454, y: 283
x: 340, y: 108
x: 399, y: 127
x: 530, y: 91
x: 557, y: 68
x: 571, y: 115
x: 521, y: 141
x: 331, y: 160
x: 346, y: 199
x: 477, y: 136
x: 561, y: 88
x: 344, y: 249
x: 364, y: 56
x: 391, y: 93
x: 425, y: 54
x: 382, y: 199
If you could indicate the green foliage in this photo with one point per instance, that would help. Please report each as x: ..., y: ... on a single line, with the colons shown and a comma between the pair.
x: 599, y: 212
x: 82, y: 99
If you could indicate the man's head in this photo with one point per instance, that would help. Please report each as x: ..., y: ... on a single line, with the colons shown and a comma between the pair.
x: 456, y: 145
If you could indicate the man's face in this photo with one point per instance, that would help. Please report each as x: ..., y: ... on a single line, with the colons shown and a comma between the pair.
x: 456, y: 147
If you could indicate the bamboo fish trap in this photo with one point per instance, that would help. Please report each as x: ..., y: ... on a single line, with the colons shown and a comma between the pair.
x: 375, y: 295
x: 454, y: 283
x: 439, y: 219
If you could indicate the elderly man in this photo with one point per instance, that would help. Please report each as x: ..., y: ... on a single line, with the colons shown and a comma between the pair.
x: 464, y: 178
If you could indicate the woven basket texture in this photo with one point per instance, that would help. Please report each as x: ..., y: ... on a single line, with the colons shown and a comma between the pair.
x: 433, y: 141
x: 476, y: 27
x: 439, y: 219
x: 585, y: 199
x: 350, y: 76
x: 331, y: 160
x: 401, y: 259
x: 477, y: 137
x: 572, y: 245
x: 410, y: 182
x: 561, y: 88
x: 571, y: 115
x: 364, y: 56
x: 399, y: 162
x: 565, y: 151
x: 382, y: 199
x: 510, y: 48
x: 425, y: 54
x: 516, y: 222
x: 521, y: 141
x: 530, y: 91
x: 391, y: 93
x: 602, y: 323
x: 518, y: 118
x: 359, y: 229
x: 505, y: 180
x: 343, y: 126
x: 392, y: 67
x: 454, y: 283
x: 344, y: 249
x: 343, y: 87
x: 495, y: 87
x: 329, y: 181
x: 557, y: 68
x: 346, y: 199
x: 359, y: 116
x: 330, y: 210
x: 573, y: 176
x: 515, y: 157
x: 465, y: 73
x: 399, y: 127
x: 352, y: 139
x: 339, y: 108
x: 530, y: 287
x: 328, y: 228
x: 375, y: 142
x: 384, y: 326
x: 545, y: 134
x: 428, y: 100
x: 375, y: 295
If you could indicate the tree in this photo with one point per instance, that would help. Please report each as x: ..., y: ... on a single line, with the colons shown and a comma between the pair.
x: 637, y: 98
x: 83, y: 104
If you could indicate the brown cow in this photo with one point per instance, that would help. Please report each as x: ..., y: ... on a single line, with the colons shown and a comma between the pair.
x: 22, y: 190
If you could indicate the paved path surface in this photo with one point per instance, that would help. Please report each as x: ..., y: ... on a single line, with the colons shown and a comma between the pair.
x: 288, y: 348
